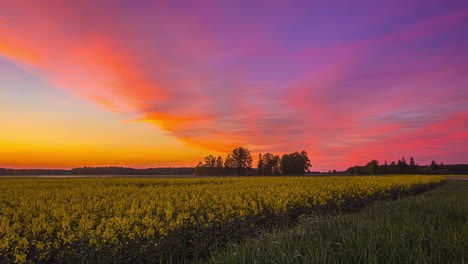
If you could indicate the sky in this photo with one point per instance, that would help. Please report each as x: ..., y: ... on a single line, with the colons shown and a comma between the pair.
x: 164, y: 83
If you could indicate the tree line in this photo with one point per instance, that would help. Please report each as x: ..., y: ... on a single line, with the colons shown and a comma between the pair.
x: 239, y: 162
x: 403, y: 167
x: 100, y: 171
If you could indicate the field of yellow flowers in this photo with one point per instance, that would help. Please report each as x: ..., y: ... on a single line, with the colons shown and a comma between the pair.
x: 150, y: 220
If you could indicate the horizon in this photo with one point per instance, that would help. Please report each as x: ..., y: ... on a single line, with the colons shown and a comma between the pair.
x: 150, y: 84
x: 253, y: 166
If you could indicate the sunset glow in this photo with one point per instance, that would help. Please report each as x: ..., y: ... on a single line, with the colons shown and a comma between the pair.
x: 164, y: 83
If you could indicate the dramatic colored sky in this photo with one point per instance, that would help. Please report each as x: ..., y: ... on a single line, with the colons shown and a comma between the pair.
x: 163, y: 83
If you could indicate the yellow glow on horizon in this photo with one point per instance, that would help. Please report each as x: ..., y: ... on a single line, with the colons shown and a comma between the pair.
x: 64, y: 139
x: 141, y: 149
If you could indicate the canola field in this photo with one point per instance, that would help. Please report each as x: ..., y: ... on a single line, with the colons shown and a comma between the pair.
x: 111, y: 220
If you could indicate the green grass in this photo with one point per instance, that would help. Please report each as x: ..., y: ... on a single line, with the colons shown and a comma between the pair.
x: 428, y: 228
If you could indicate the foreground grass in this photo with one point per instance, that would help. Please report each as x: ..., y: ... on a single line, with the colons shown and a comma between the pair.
x: 428, y: 228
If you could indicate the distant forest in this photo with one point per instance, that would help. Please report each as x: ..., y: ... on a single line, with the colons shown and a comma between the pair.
x: 403, y: 167
x: 100, y: 171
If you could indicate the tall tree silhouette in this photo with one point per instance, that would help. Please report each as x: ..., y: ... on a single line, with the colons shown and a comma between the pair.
x: 260, y: 164
x: 241, y: 160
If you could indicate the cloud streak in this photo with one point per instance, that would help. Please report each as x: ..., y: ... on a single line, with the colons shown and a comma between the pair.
x: 323, y: 77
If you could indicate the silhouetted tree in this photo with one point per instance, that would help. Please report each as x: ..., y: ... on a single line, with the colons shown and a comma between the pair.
x: 273, y: 163
x: 240, y: 160
x: 286, y: 164
x: 210, y: 161
x: 212, y: 166
x: 384, y: 168
x: 373, y: 167
x: 229, y: 165
x: 393, y: 168
x: 402, y: 166
x: 434, y: 167
x: 219, y: 166
x: 269, y: 164
x: 306, y: 161
x: 412, y: 166
x: 295, y: 163
x: 260, y: 164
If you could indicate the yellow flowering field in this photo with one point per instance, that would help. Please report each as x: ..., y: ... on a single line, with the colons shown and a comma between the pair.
x: 146, y: 220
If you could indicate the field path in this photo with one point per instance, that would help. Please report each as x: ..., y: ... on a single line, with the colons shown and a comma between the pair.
x: 457, y: 178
